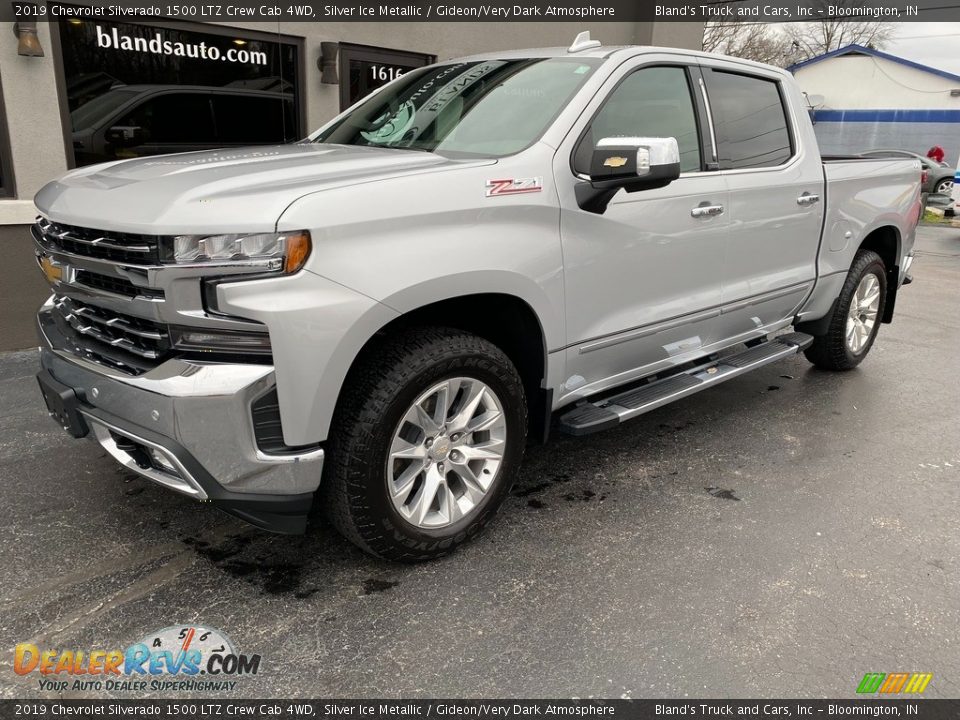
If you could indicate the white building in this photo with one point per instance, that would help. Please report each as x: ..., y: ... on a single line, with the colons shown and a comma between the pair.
x: 865, y: 99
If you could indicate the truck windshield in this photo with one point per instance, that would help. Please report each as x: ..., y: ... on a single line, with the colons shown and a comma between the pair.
x: 488, y: 108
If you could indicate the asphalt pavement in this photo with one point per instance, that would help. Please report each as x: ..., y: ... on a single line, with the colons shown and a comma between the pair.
x: 777, y: 536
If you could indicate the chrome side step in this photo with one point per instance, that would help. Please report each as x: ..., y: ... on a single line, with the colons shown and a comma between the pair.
x: 592, y: 417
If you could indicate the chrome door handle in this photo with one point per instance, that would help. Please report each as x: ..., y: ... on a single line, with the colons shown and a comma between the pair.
x: 808, y: 199
x: 706, y: 210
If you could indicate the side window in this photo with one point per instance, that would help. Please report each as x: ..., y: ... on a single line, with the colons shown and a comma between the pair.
x: 749, y: 120
x: 174, y: 118
x: 652, y: 102
x: 252, y: 119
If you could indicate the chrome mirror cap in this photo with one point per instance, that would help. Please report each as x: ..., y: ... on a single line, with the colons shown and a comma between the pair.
x: 651, y: 153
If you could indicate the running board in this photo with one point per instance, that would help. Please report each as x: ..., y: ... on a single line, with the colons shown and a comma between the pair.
x: 609, y: 412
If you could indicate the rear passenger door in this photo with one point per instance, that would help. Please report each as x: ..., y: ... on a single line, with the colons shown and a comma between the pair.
x: 775, y: 203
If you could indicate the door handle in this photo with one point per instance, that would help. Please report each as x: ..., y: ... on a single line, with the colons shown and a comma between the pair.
x: 706, y: 210
x: 808, y: 199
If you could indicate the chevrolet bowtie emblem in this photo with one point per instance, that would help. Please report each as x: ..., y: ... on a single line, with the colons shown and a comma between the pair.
x: 615, y: 161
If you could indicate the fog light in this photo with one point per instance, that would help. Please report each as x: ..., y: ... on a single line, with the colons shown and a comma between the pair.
x: 220, y: 340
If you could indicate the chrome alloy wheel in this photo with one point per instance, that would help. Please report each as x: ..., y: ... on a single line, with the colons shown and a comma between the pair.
x: 862, y: 315
x: 446, y: 452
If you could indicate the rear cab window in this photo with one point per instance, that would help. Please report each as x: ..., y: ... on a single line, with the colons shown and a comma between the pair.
x: 749, y: 118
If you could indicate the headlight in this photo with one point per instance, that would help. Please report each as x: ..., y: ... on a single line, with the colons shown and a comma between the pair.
x: 283, y: 251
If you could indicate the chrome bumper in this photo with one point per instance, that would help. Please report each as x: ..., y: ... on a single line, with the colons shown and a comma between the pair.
x: 194, y: 418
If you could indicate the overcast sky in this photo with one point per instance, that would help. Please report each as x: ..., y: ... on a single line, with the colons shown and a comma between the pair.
x: 936, y: 44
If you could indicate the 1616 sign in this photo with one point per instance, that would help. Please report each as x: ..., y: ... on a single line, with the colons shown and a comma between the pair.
x: 386, y: 73
x: 364, y: 69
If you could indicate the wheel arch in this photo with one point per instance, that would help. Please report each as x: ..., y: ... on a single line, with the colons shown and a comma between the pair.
x: 943, y: 178
x: 885, y: 241
x: 506, y: 320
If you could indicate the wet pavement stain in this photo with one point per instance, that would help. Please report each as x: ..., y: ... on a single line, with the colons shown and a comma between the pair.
x: 721, y: 493
x: 274, y: 578
x: 584, y: 495
x: 677, y: 427
x: 536, y: 504
x: 532, y: 490
x: 305, y: 593
x: 372, y: 586
x: 540, y: 487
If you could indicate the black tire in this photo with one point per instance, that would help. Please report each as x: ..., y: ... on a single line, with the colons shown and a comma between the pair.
x: 944, y: 186
x: 830, y: 351
x: 354, y: 494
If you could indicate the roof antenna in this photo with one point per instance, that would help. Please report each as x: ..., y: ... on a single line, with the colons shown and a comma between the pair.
x: 583, y: 42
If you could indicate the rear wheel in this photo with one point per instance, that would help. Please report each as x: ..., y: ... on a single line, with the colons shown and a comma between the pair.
x: 856, y: 317
x: 944, y: 187
x: 426, y: 443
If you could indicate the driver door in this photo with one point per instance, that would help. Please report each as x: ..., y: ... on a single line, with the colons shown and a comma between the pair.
x: 643, y: 279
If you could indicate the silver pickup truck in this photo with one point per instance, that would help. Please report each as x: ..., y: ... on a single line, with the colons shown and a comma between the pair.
x: 375, y: 321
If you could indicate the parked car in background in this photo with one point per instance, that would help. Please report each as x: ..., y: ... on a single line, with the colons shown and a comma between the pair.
x: 939, y: 176
x: 140, y: 120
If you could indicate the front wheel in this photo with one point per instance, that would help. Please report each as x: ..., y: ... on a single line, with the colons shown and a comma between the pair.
x: 426, y: 442
x: 856, y: 317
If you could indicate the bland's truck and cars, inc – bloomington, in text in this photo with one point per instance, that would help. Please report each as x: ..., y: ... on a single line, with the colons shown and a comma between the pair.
x: 373, y: 322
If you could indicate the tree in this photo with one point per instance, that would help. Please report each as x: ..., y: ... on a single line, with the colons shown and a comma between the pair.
x: 748, y: 40
x: 788, y: 43
x: 808, y: 40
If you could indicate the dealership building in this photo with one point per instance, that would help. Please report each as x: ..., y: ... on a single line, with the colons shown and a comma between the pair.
x: 80, y: 91
x: 863, y: 99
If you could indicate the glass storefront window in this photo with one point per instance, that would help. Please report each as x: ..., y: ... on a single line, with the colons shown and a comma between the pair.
x: 136, y: 90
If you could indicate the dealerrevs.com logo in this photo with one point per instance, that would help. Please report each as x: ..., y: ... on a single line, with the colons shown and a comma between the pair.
x: 177, y: 658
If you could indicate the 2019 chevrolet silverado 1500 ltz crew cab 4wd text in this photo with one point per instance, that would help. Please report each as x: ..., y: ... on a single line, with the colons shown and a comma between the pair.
x: 376, y: 320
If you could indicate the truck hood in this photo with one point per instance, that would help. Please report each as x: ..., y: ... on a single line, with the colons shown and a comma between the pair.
x: 238, y: 190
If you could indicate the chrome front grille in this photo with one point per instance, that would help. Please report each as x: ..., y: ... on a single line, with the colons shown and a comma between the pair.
x: 115, y: 285
x: 104, y: 245
x: 125, y: 342
x: 118, y: 304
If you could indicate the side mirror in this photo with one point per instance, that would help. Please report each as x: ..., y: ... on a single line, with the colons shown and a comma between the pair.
x: 125, y: 135
x: 631, y: 163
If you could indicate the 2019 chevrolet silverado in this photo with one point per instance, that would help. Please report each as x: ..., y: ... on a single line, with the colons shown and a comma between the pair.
x: 376, y: 320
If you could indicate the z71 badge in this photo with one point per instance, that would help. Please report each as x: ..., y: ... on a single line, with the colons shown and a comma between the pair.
x: 514, y: 186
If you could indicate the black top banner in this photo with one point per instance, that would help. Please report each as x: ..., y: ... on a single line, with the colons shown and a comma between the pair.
x: 495, y: 11
x: 214, y: 707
